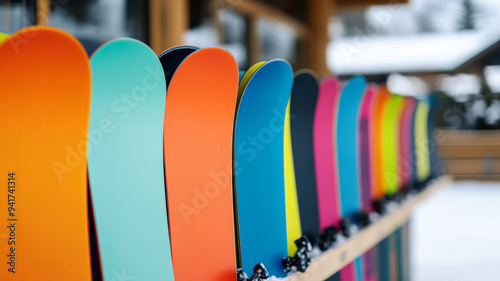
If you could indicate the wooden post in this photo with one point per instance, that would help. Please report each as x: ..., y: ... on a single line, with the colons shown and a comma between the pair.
x: 42, y: 12
x: 254, y: 42
x: 168, y: 23
x: 320, y: 12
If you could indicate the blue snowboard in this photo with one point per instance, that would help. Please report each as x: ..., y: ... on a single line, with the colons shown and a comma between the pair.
x: 259, y: 167
x: 347, y: 151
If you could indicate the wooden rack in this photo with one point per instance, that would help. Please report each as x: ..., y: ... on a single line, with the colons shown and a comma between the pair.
x: 335, y: 259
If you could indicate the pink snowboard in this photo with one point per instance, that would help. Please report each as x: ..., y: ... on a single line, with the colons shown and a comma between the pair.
x: 324, y: 154
x: 325, y: 158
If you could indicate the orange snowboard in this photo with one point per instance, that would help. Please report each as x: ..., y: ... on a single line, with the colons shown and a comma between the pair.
x: 199, y: 118
x: 378, y: 142
x: 45, y: 99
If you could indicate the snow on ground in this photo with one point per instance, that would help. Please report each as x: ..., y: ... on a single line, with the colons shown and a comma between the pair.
x: 455, y: 234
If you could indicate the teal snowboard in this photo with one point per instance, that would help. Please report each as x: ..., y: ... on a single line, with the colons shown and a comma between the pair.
x: 125, y: 162
x: 348, y: 150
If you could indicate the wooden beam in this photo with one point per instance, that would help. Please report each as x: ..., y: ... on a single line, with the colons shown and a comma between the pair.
x: 254, y: 42
x: 469, y: 151
x: 42, y: 12
x: 470, y: 177
x: 335, y: 259
x: 468, y: 137
x: 155, y: 26
x: 253, y: 8
x: 473, y: 166
x: 168, y: 23
x: 342, y: 4
x: 320, y: 12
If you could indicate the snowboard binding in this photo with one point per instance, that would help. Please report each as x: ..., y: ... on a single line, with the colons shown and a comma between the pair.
x: 404, y: 191
x: 419, y: 186
x: 363, y: 218
x: 302, y: 258
x: 327, y: 238
x: 396, y: 197
x: 345, y: 226
x: 259, y: 273
x: 380, y: 206
x: 399, y: 196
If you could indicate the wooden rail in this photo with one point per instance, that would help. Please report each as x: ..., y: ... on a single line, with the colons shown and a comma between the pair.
x: 335, y: 259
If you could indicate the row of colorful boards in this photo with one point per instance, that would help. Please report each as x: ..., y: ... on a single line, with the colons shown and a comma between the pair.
x: 130, y: 166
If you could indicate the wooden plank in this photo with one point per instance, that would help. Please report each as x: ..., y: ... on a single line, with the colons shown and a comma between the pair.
x: 42, y: 12
x: 342, y: 4
x: 335, y: 259
x: 258, y: 9
x: 476, y: 137
x: 474, y: 166
x: 469, y: 151
x: 467, y: 177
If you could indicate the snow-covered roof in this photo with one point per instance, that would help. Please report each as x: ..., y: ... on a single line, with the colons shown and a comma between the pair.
x: 441, y: 52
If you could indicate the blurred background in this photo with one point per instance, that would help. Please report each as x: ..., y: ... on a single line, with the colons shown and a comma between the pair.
x: 447, y: 48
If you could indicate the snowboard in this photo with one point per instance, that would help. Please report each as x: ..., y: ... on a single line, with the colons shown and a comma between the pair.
x: 347, y: 136
x: 302, y: 107
x: 434, y: 162
x: 366, y: 146
x: 380, y: 251
x: 378, y: 142
x: 126, y: 162
x: 259, y: 166
x: 402, y: 236
x: 405, y: 140
x: 378, y: 100
x: 3, y: 36
x: 325, y: 158
x: 45, y: 87
x: 325, y: 155
x: 390, y: 130
x: 383, y: 260
x: 421, y: 141
x: 244, y: 76
x: 406, y: 168
x: 391, y: 152
x: 366, y: 169
x: 172, y: 58
x: 293, y: 228
x: 199, y: 117
x: 378, y: 189
x: 393, y: 256
x: 401, y: 139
